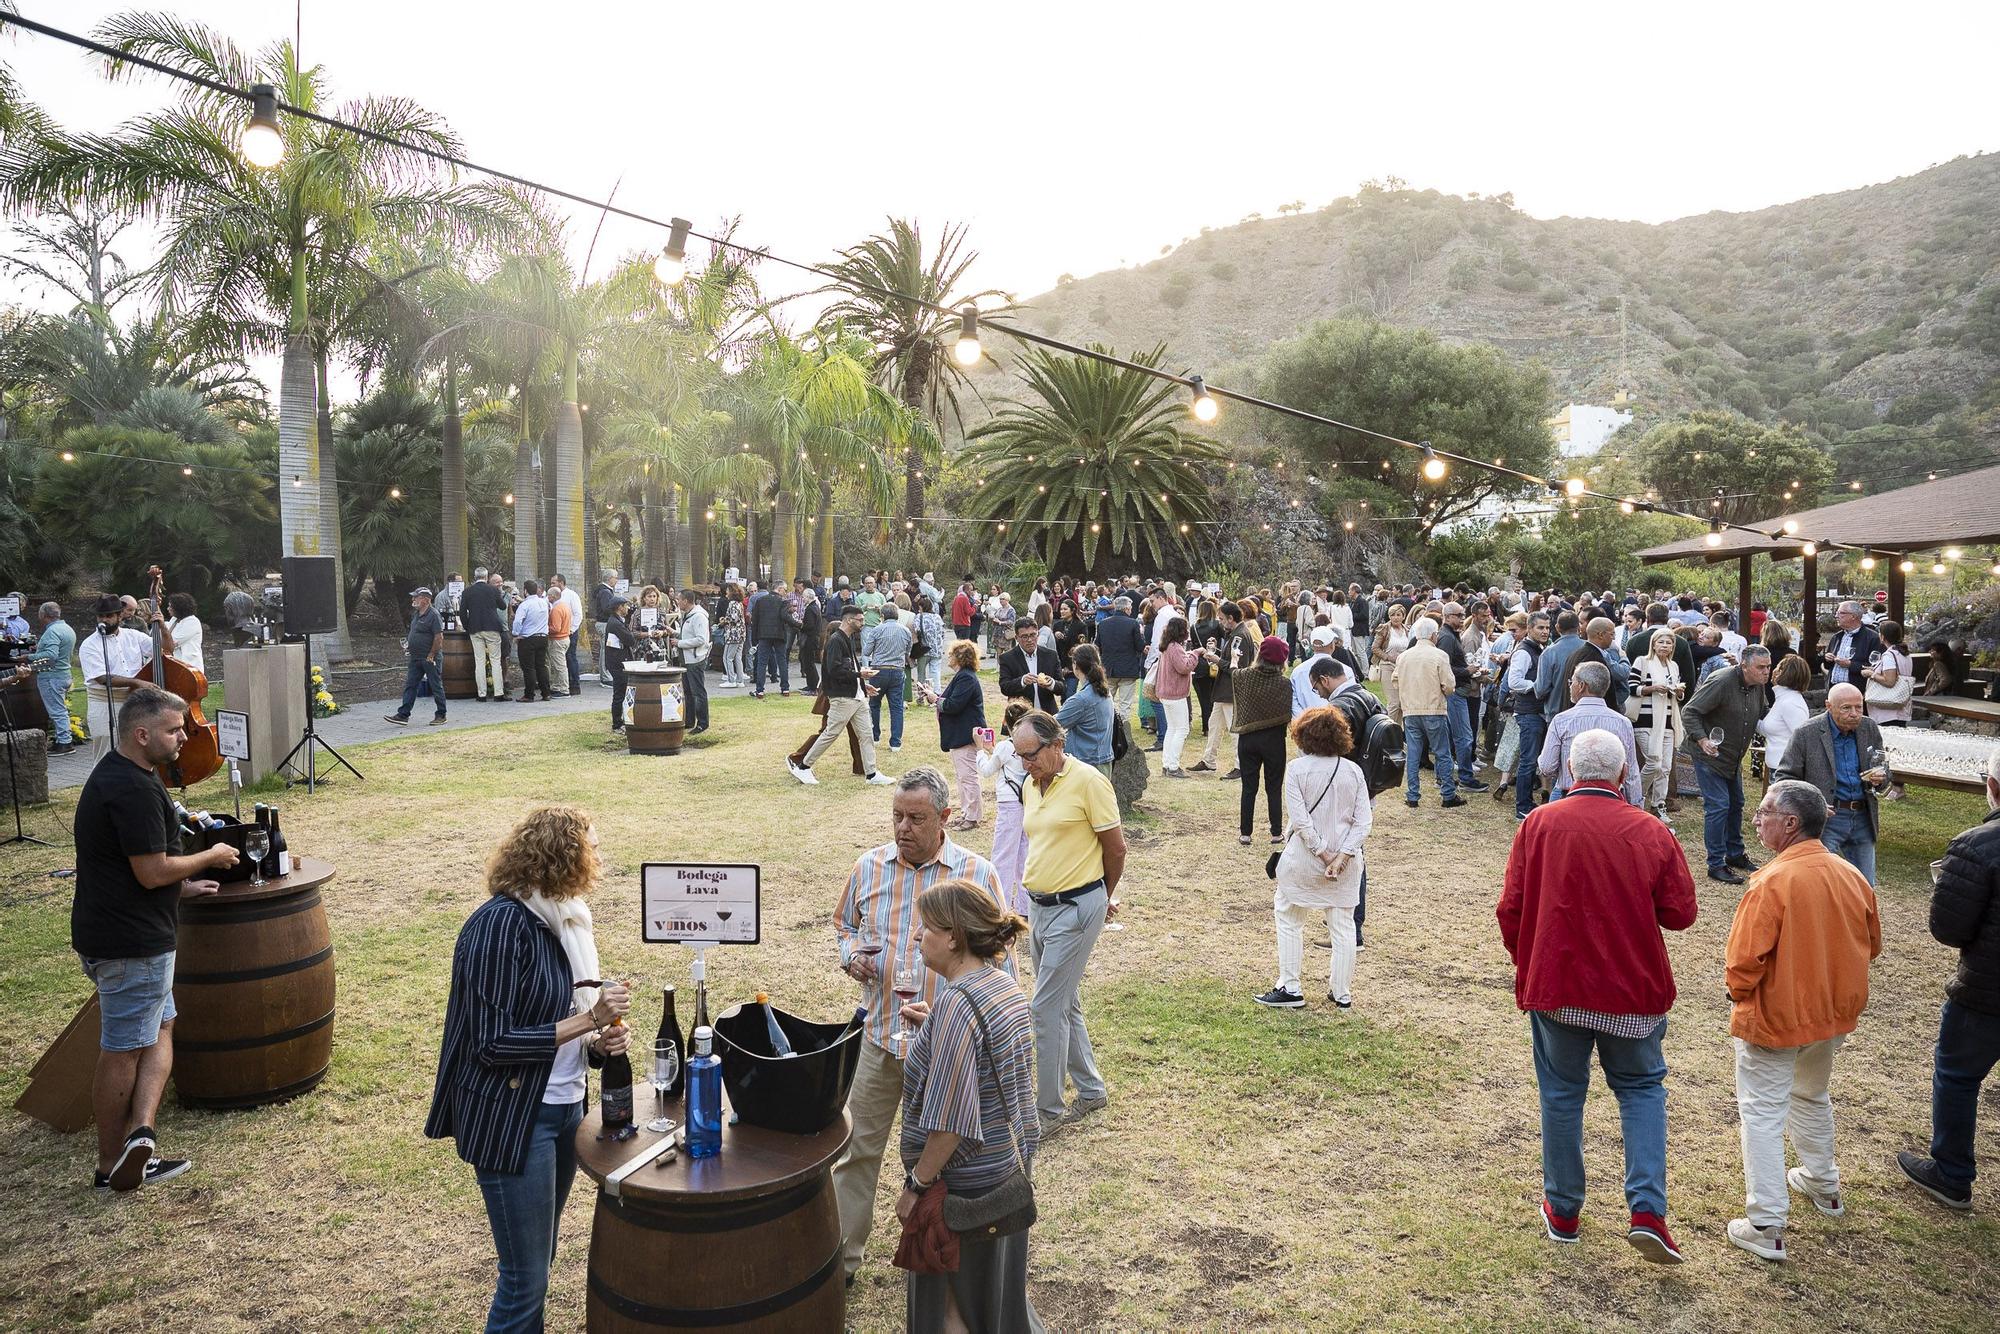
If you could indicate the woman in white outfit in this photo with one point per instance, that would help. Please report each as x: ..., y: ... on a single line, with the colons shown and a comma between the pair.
x: 1343, y: 620
x: 998, y: 761
x: 1655, y: 710
x: 1788, y: 710
x: 1327, y: 818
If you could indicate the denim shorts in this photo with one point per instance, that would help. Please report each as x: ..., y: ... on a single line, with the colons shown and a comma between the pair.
x: 134, y: 997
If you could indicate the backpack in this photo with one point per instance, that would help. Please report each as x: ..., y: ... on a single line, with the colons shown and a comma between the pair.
x: 1382, y: 754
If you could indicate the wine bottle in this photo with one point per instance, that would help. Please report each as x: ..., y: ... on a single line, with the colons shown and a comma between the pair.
x: 615, y: 1095
x: 279, y: 863
x: 670, y: 1031
x: 700, y: 1010
x: 704, y: 1090
x: 780, y: 1045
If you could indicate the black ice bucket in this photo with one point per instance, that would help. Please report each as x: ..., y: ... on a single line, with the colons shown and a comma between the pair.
x: 802, y: 1093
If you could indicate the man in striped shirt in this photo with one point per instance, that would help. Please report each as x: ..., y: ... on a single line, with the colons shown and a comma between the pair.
x: 876, y: 925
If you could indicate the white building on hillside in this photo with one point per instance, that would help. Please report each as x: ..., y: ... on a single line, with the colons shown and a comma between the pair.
x: 1582, y: 428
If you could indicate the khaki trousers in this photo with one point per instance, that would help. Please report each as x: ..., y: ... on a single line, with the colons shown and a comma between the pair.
x: 1220, y: 739
x: 485, y: 656
x: 557, y: 658
x: 842, y: 714
x: 872, y: 1101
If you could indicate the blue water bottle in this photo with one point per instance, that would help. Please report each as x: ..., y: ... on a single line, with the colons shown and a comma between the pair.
x: 704, y: 1095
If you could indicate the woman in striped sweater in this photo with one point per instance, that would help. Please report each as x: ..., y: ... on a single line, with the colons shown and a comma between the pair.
x: 525, y: 1017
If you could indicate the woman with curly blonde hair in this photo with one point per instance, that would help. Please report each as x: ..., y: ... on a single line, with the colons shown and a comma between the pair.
x: 526, y: 1015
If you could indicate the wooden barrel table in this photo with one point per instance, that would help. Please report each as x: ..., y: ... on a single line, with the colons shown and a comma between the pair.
x: 655, y: 712
x: 748, y: 1240
x: 456, y: 664
x: 253, y: 985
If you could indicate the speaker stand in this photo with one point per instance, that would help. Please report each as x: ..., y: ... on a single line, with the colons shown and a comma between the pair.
x: 14, y: 782
x: 312, y: 742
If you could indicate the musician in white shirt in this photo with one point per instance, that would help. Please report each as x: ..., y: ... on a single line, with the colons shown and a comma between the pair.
x: 184, y: 627
x: 111, y: 661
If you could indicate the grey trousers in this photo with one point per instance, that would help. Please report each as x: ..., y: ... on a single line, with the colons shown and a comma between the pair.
x: 1060, y: 943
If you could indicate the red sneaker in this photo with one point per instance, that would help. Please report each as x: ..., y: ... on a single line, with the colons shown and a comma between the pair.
x: 1559, y: 1228
x: 1649, y: 1236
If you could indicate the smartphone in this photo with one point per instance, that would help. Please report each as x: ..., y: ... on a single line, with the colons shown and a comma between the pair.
x: 984, y: 734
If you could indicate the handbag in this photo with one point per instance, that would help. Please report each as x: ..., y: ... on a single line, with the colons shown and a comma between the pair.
x: 1271, y: 862
x: 1010, y: 1206
x: 1151, y: 686
x: 1897, y: 695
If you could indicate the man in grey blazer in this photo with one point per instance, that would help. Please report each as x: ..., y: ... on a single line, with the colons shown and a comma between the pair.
x: 1840, y: 753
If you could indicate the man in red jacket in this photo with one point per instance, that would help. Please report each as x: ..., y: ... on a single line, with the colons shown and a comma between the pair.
x: 1590, y: 882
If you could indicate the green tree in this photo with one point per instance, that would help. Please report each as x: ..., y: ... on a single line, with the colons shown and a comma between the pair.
x: 1468, y: 401
x: 1760, y: 471
x: 1095, y: 464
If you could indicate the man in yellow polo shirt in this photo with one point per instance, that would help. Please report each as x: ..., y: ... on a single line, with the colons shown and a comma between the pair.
x: 1076, y: 853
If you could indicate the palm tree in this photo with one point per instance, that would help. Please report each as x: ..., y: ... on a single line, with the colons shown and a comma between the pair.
x: 1098, y: 464
x: 88, y: 370
x: 252, y: 250
x: 908, y: 336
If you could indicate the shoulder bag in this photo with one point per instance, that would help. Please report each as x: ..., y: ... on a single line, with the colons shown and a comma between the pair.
x: 1271, y: 863
x: 1897, y: 695
x: 1010, y: 1206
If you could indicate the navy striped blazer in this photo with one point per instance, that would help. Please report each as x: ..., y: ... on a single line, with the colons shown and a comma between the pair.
x: 510, y: 986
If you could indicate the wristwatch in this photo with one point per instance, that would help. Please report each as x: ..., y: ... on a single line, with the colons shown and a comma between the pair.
x: 910, y: 1182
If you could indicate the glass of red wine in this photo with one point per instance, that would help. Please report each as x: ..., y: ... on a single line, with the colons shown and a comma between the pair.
x: 907, y: 984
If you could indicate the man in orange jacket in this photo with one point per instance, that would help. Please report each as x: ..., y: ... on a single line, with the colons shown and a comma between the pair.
x: 1798, y: 959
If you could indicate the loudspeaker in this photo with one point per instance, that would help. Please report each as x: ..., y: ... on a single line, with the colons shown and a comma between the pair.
x: 310, y: 604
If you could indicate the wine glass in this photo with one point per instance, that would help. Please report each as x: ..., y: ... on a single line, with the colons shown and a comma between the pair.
x: 1717, y: 736
x: 256, y: 847
x: 866, y: 947
x: 666, y: 1064
x: 907, y: 984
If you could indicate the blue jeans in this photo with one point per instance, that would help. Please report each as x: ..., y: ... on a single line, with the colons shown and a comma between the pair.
x: 1636, y: 1073
x: 888, y: 680
x: 1721, y: 813
x: 55, y: 701
x: 1968, y: 1046
x: 1458, y: 713
x: 416, y: 673
x: 569, y: 659
x: 1434, y: 731
x: 770, y: 663
x: 1531, y: 727
x: 524, y: 1209
x: 1847, y: 833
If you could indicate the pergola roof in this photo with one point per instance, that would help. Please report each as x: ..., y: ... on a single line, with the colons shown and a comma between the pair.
x: 1952, y: 511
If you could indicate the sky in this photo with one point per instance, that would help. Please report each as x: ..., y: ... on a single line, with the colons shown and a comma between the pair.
x: 1077, y: 137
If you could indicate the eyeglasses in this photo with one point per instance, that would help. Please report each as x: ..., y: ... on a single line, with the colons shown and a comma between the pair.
x: 1025, y: 756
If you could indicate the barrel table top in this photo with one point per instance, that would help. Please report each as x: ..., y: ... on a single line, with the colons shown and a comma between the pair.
x: 754, y: 1162
x: 663, y: 670
x: 307, y: 873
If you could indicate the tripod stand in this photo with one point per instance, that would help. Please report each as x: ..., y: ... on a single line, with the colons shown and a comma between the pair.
x: 14, y: 781
x: 312, y: 741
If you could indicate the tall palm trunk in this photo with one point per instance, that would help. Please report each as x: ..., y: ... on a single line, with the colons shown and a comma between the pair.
x: 653, y: 537
x: 451, y: 505
x: 527, y: 513
x: 329, y: 507
x: 298, y: 457
x: 751, y: 564
x: 916, y: 386
x: 568, y: 488
x: 784, y: 536
x: 825, y: 536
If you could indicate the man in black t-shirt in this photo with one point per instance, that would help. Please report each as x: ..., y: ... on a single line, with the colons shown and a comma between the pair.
x: 130, y: 880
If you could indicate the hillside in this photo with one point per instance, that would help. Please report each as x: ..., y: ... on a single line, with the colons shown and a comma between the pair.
x: 1842, y: 311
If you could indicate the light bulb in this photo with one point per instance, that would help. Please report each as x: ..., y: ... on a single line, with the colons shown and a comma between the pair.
x: 507, y: 499
x: 1204, y: 407
x: 1854, y: 486
x: 1867, y: 562
x: 186, y: 471
x: 395, y: 493
x: 68, y: 457
x: 1434, y: 467
x: 1574, y: 487
x: 1952, y: 553
x: 1937, y: 567
x: 966, y: 350
x: 909, y: 524
x: 671, y: 266
x: 708, y: 514
x: 1095, y: 529
x: 1791, y: 527
x: 262, y: 142
x: 1348, y: 524
x: 1626, y: 506
x: 1809, y: 549
x: 1906, y: 566
x: 1184, y: 528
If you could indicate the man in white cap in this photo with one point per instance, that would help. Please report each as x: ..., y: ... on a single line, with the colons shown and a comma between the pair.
x: 1303, y: 695
x: 423, y: 643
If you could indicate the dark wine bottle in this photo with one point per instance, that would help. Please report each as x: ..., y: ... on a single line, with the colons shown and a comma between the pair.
x: 670, y: 1032
x: 279, y: 863
x: 700, y: 1012
x: 615, y: 1097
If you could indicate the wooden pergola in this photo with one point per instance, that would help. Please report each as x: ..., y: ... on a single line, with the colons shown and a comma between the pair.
x: 1952, y: 511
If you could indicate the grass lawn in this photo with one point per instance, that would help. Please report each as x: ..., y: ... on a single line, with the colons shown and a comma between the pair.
x: 1256, y: 1170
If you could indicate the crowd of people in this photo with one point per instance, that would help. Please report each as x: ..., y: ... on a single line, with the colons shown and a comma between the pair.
x: 1578, y: 709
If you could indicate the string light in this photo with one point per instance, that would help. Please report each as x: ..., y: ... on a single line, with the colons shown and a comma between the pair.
x: 1348, y: 524
x: 1791, y: 527
x: 395, y: 493
x: 1952, y: 553
x: 1937, y: 567
x: 1714, y: 535
x: 1625, y: 506
x: 1574, y: 486
x: 1434, y: 467
x: 1203, y: 407
x: 68, y: 457
x: 671, y: 266
x: 262, y: 143
x: 1906, y: 566
x: 966, y: 350
x: 297, y: 482
x: 186, y: 471
x: 1867, y: 562
x: 507, y: 499
x: 1854, y: 485
x: 1809, y: 549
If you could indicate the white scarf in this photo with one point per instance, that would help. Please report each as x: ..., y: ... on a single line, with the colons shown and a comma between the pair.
x: 570, y: 920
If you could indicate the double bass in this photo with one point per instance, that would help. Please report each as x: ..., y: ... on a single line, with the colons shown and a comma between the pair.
x: 201, y: 753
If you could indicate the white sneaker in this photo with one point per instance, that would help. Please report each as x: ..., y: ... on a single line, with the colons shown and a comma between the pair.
x: 1827, y: 1202
x: 1766, y: 1243
x: 804, y: 775
x: 881, y: 780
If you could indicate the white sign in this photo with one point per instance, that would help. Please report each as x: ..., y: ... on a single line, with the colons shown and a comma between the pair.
x: 692, y: 903
x: 648, y: 617
x: 9, y: 608
x: 454, y: 591
x: 232, y: 734
x: 622, y: 587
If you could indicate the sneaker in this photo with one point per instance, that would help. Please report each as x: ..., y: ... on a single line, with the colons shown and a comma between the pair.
x: 1766, y: 1243
x: 1743, y: 863
x: 1924, y: 1174
x: 881, y: 780
x: 1201, y: 767
x: 1231, y: 776
x: 165, y: 1169
x: 803, y: 773
x: 1649, y: 1236
x: 61, y: 750
x: 1472, y: 785
x: 1557, y: 1226
x: 1341, y: 1002
x: 895, y: 749
x: 1278, y: 998
x: 1452, y: 802
x: 437, y: 720
x: 1827, y: 1202
x: 396, y: 718
x: 1503, y: 791
x: 1725, y: 875
x: 129, y: 1172
x: 1277, y: 840
x: 1244, y: 839
x: 1083, y: 1107
x: 1412, y: 802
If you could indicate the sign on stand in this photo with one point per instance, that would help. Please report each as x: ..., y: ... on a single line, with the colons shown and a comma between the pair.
x: 232, y: 735
x: 699, y: 903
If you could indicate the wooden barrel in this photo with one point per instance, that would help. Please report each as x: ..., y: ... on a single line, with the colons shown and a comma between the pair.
x: 253, y: 985
x: 655, y: 714
x: 456, y: 662
x: 747, y: 1241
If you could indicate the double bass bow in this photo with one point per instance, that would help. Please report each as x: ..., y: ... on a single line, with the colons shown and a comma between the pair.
x: 201, y: 753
